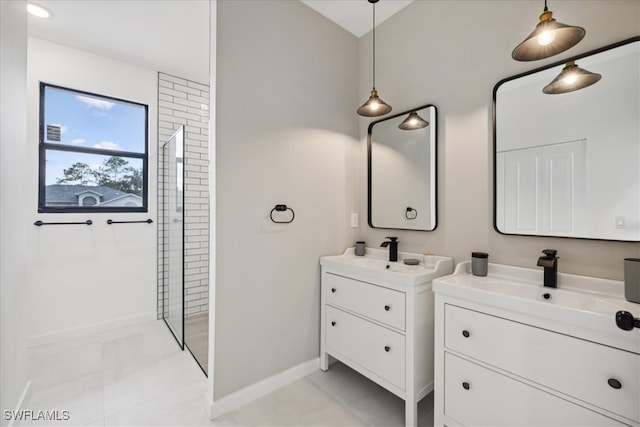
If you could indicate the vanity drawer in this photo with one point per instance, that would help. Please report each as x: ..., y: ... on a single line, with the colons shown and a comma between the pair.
x: 373, y: 347
x: 478, y: 396
x: 381, y: 304
x: 585, y: 370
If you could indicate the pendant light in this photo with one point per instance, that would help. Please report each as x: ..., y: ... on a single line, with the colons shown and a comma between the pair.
x: 374, y: 105
x: 547, y: 39
x: 413, y: 122
x: 571, y: 78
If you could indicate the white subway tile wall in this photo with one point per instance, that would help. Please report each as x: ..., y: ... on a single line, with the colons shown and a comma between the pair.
x: 186, y: 103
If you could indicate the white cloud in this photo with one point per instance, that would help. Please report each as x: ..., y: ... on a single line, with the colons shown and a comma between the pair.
x: 107, y: 145
x: 78, y: 141
x: 100, y: 104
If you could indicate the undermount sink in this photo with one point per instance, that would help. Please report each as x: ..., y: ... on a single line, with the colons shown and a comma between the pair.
x: 580, y: 301
x: 375, y: 265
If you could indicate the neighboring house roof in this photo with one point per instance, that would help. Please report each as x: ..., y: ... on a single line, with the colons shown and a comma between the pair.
x: 88, y: 191
x: 124, y: 200
x: 67, y: 195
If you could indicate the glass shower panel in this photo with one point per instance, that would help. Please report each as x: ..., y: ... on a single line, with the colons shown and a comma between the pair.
x: 173, y: 211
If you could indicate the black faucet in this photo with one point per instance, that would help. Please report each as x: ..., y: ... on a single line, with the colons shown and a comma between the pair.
x: 393, y: 248
x: 550, y: 263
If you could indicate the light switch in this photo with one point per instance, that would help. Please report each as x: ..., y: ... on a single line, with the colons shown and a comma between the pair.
x: 621, y: 222
x: 354, y: 220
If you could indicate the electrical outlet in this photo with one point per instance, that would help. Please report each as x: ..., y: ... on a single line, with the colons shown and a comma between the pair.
x: 354, y: 220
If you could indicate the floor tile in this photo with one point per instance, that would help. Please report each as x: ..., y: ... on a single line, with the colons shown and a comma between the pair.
x: 301, y: 403
x: 81, y: 397
x: 127, y: 355
x: 138, y: 376
x: 151, y: 382
x: 60, y: 362
x: 182, y: 407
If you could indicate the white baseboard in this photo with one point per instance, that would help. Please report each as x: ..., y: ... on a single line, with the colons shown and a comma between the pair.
x: 88, y: 329
x: 20, y: 406
x: 259, y: 389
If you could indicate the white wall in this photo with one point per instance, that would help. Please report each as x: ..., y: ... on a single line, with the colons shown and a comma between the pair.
x: 13, y: 224
x: 285, y: 133
x: 451, y: 54
x: 88, y: 277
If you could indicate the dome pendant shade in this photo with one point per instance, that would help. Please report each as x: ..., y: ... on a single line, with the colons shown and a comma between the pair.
x: 549, y: 38
x: 571, y: 78
x: 374, y: 106
x: 413, y: 122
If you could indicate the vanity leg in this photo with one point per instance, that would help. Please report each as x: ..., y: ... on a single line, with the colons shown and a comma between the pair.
x: 410, y: 412
x: 324, y: 361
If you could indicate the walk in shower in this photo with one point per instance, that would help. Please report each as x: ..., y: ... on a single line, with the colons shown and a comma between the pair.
x: 183, y: 212
x: 172, y: 224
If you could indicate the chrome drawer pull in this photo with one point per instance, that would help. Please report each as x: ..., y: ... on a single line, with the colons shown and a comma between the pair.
x: 614, y: 383
x: 387, y: 348
x: 387, y: 307
x: 333, y: 323
x: 465, y: 333
x: 465, y: 385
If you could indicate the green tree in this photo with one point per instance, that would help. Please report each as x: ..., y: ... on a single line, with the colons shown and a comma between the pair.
x: 111, y: 171
x: 132, y: 181
x: 78, y: 173
x: 114, y: 172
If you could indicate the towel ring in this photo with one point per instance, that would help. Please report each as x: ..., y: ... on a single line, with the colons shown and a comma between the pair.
x: 282, y: 208
x: 411, y: 213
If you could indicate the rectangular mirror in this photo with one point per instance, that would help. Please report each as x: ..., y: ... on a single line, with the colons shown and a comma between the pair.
x: 402, y: 170
x: 568, y: 165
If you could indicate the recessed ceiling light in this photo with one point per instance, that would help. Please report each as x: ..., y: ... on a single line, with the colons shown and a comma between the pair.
x: 38, y: 11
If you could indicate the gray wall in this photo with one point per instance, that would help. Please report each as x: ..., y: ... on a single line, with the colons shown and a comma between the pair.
x: 13, y: 222
x: 285, y: 133
x: 451, y: 54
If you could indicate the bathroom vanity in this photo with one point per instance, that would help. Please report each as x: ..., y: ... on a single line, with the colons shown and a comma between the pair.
x: 509, y: 351
x: 377, y: 318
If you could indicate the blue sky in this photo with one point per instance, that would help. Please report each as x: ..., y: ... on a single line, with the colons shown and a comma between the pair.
x: 91, y: 121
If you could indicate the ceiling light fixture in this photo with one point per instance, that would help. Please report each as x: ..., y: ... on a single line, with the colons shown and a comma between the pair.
x: 38, y: 11
x: 547, y: 39
x: 413, y: 122
x: 571, y: 78
x: 374, y: 105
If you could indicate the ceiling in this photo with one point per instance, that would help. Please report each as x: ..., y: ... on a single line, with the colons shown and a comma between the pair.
x: 170, y: 35
x: 356, y: 16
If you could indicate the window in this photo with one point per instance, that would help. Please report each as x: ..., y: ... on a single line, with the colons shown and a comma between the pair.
x: 93, y: 152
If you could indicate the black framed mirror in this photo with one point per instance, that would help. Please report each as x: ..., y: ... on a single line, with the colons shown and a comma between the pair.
x: 568, y: 164
x: 402, y: 153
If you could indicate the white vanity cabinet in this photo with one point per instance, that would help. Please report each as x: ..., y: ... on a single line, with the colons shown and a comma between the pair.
x: 378, y: 320
x: 505, y: 357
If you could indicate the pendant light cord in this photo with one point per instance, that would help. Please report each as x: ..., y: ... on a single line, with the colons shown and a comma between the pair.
x: 374, y: 45
x: 545, y: 6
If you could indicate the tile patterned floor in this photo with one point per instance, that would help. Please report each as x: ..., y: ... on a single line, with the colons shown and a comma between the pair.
x: 137, y: 376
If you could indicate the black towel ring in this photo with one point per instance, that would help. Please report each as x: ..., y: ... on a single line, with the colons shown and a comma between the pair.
x: 282, y: 208
x: 411, y: 213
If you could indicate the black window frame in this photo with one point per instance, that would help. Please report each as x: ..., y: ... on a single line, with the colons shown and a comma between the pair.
x: 44, y: 146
